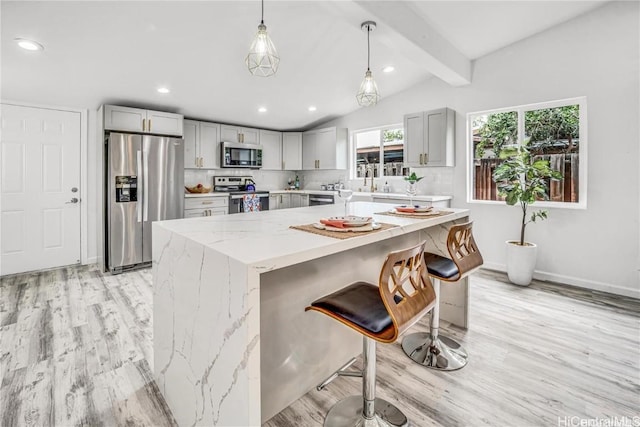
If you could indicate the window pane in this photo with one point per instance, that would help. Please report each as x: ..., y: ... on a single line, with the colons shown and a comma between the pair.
x: 393, y: 146
x: 490, y: 132
x: 367, y: 151
x: 555, y: 137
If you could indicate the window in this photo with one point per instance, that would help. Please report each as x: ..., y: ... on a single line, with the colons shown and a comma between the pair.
x: 381, y: 151
x: 557, y: 132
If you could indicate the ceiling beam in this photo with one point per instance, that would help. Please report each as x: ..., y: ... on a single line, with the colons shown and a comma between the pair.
x: 417, y: 39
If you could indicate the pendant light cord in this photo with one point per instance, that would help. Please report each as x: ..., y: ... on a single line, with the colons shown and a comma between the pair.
x: 262, y: 16
x: 368, y: 49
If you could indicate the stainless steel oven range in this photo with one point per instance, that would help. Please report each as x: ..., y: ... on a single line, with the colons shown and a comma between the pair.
x: 238, y: 187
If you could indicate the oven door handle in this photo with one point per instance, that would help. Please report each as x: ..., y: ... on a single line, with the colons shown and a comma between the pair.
x: 322, y: 200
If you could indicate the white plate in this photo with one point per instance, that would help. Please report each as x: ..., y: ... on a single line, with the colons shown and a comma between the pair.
x: 368, y: 227
x: 417, y: 208
x: 352, y: 221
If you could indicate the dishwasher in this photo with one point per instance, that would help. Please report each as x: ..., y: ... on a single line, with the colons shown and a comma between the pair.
x: 321, y: 199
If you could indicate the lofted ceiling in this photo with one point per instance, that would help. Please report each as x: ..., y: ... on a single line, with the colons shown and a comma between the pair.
x: 120, y: 52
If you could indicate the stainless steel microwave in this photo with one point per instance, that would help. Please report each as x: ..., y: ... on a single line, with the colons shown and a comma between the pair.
x: 236, y: 155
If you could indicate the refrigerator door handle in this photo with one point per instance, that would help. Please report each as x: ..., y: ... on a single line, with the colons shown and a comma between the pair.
x: 139, y: 169
x: 145, y: 156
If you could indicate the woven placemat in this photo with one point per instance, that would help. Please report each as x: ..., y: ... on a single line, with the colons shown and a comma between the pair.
x: 431, y: 214
x: 340, y: 234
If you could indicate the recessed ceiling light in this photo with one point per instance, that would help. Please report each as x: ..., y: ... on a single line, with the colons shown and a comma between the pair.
x: 388, y: 69
x: 163, y: 90
x: 312, y: 108
x: 29, y: 44
x: 262, y: 110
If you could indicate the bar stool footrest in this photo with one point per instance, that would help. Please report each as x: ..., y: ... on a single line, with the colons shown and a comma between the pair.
x: 348, y: 413
x: 443, y: 353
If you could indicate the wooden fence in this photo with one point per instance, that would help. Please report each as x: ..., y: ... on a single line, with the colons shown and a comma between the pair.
x: 559, y: 191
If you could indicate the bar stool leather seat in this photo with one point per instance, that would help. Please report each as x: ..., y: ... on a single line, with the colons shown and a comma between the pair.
x: 440, y: 266
x: 360, y: 304
x: 381, y: 314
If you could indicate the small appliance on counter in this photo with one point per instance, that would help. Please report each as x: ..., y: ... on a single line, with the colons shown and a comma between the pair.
x: 243, y: 196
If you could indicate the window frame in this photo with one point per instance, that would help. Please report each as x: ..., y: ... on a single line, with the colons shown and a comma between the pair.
x: 581, y: 101
x: 353, y: 152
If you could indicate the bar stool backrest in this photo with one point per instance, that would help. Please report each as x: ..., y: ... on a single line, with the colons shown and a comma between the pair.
x: 463, y: 250
x: 405, y: 287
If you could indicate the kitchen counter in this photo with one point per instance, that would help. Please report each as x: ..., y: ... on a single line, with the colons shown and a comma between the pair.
x: 233, y: 345
x: 403, y: 196
x: 334, y: 192
x: 377, y: 195
x: 212, y: 194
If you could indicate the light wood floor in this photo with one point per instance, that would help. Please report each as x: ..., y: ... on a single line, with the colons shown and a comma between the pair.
x: 76, y: 349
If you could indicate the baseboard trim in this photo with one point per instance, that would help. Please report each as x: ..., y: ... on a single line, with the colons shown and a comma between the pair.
x: 573, y: 281
x: 89, y: 261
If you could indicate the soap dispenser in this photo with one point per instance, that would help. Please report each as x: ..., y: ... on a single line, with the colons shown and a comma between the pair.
x: 386, y: 188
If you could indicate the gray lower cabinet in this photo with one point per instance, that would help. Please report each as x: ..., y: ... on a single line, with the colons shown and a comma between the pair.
x: 279, y: 201
x: 299, y: 200
x: 205, y: 206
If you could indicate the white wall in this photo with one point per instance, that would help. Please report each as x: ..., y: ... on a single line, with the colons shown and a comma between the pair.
x: 594, y: 55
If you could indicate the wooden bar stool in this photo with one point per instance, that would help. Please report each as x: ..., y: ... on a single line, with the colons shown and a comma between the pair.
x: 433, y: 350
x: 380, y: 313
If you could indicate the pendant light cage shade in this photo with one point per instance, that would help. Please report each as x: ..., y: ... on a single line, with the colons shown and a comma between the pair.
x: 263, y: 59
x: 368, y: 94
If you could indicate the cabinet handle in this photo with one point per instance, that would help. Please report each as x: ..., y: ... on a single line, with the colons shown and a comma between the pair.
x: 144, y: 121
x: 149, y: 126
x: 420, y: 158
x: 207, y: 203
x: 241, y: 136
x: 426, y: 158
x: 281, y: 198
x: 201, y: 162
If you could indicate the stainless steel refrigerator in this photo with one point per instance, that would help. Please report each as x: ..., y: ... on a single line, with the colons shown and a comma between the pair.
x: 145, y: 183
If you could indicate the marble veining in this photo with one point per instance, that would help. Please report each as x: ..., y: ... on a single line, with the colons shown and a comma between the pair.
x: 207, y: 303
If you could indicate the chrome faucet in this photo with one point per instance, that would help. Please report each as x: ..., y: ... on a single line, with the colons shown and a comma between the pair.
x: 368, y: 169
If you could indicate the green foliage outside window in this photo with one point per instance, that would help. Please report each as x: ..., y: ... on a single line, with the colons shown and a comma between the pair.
x: 547, y: 128
x: 392, y: 135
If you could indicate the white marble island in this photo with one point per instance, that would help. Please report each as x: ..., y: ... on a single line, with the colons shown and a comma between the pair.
x: 232, y: 343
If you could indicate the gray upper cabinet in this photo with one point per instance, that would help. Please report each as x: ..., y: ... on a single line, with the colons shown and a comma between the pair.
x: 142, y: 121
x: 201, y: 145
x: 324, y: 149
x: 292, y: 151
x: 429, y: 138
x: 230, y: 133
x: 271, y: 142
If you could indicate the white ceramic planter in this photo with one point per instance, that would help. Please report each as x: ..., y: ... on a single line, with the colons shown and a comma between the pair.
x: 521, y: 261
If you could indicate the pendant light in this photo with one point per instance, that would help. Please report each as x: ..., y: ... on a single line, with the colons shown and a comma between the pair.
x: 263, y: 58
x: 368, y: 94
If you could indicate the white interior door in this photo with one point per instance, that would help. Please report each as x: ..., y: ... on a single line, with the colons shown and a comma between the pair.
x: 39, y: 209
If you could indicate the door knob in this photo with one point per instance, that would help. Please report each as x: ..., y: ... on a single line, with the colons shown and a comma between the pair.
x: 73, y: 200
x: 74, y: 190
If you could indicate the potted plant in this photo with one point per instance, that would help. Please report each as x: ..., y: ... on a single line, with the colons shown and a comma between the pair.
x: 523, y: 180
x: 412, y: 180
